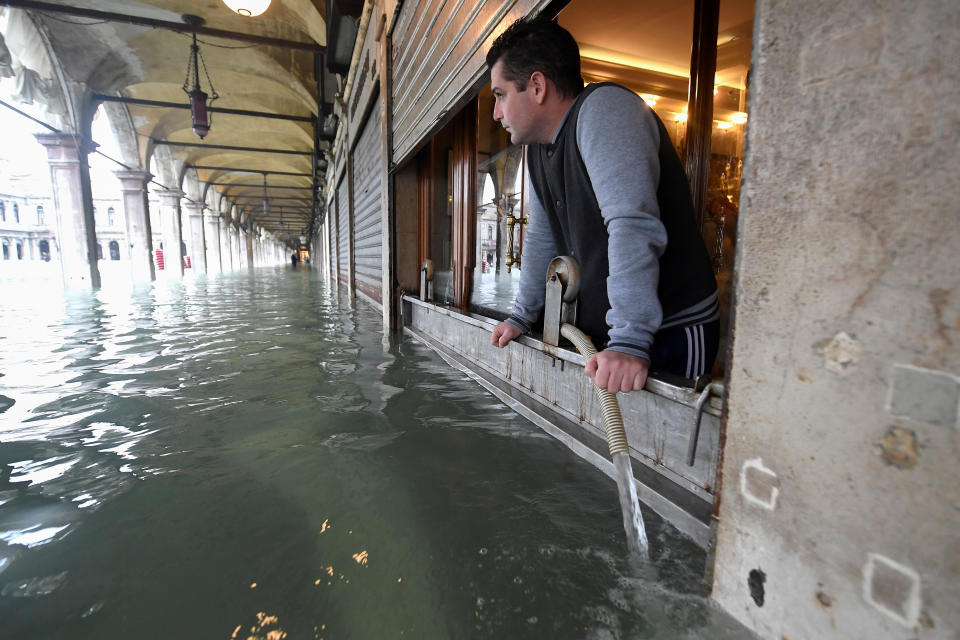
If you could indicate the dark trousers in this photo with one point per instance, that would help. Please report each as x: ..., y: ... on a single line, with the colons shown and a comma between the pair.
x: 688, y: 352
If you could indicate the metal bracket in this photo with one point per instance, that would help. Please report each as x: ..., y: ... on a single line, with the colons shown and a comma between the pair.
x: 714, y: 388
x: 426, y: 281
x: 552, y: 311
x: 560, y: 300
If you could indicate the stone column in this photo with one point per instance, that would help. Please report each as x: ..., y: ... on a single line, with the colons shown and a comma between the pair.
x: 171, y: 232
x: 225, y: 264
x: 133, y: 186
x: 249, y: 247
x: 212, y: 221
x: 75, y: 229
x: 234, y: 252
x: 195, y: 242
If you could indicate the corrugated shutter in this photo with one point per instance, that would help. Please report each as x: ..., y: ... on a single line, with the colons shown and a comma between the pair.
x: 332, y: 237
x: 343, y: 229
x: 440, y: 53
x: 367, y: 229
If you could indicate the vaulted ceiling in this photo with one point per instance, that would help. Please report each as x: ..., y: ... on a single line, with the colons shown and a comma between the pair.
x: 149, y: 63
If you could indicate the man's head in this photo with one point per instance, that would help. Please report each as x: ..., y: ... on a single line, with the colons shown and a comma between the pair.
x: 537, y: 44
x: 534, y: 75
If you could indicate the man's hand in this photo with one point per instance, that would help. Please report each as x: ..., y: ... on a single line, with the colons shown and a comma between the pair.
x: 616, y: 371
x: 503, y: 333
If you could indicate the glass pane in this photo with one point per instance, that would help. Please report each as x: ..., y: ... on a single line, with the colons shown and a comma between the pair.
x: 734, y: 43
x: 441, y: 221
x: 500, y: 215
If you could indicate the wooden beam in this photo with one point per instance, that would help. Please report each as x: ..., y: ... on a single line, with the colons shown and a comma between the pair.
x: 102, y: 97
x: 263, y: 171
x: 227, y: 147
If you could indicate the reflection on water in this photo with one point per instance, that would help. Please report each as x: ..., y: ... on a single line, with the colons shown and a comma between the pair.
x: 247, y: 456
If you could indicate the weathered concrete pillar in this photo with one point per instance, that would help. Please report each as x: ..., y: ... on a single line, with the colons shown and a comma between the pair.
x: 838, y: 511
x: 171, y: 231
x: 212, y: 221
x: 193, y: 215
x: 76, y: 229
x: 133, y: 187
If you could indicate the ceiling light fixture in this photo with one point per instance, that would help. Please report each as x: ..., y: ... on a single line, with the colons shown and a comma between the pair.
x: 199, y: 115
x: 248, y: 8
x: 739, y: 118
x: 650, y: 99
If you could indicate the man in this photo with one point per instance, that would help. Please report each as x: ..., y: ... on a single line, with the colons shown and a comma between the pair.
x: 609, y: 190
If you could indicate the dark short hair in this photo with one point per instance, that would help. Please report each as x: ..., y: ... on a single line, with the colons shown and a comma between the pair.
x: 538, y: 44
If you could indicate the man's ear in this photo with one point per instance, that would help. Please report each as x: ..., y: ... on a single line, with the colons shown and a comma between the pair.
x: 538, y: 84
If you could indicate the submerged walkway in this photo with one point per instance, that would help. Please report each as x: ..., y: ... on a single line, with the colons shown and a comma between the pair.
x: 249, y: 453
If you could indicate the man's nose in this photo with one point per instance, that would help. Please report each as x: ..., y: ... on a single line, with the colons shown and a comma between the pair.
x: 497, y: 113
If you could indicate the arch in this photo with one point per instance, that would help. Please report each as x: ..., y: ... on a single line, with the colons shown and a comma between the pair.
x: 162, y: 163
x: 189, y: 182
x: 45, y: 250
x: 40, y: 71
x: 114, y: 250
x: 124, y: 133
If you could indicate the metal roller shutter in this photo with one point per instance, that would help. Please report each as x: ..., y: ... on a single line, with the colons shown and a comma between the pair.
x: 343, y: 229
x: 367, y: 228
x: 332, y: 237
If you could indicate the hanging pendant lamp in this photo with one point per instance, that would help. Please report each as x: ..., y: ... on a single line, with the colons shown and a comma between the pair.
x: 248, y: 8
x: 199, y: 114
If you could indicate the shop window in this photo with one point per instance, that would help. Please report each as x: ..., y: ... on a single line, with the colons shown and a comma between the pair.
x: 6, y: 251
x: 111, y: 217
x: 19, y: 251
x: 45, y: 251
x: 435, y: 205
x: 647, y: 49
x: 40, y: 220
x: 500, y: 215
x: 114, y: 250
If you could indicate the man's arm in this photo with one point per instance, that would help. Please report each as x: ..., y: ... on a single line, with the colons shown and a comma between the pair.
x: 538, y: 250
x: 619, y: 142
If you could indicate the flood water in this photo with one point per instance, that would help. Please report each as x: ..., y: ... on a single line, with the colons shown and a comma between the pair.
x: 247, y: 456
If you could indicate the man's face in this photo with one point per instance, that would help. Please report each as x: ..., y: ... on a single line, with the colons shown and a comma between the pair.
x: 515, y: 110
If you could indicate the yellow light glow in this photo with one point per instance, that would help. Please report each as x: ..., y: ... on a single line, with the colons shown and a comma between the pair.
x: 247, y: 8
x: 618, y: 57
x: 715, y: 90
x: 680, y: 117
x: 722, y: 124
x: 739, y: 118
x: 650, y: 99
